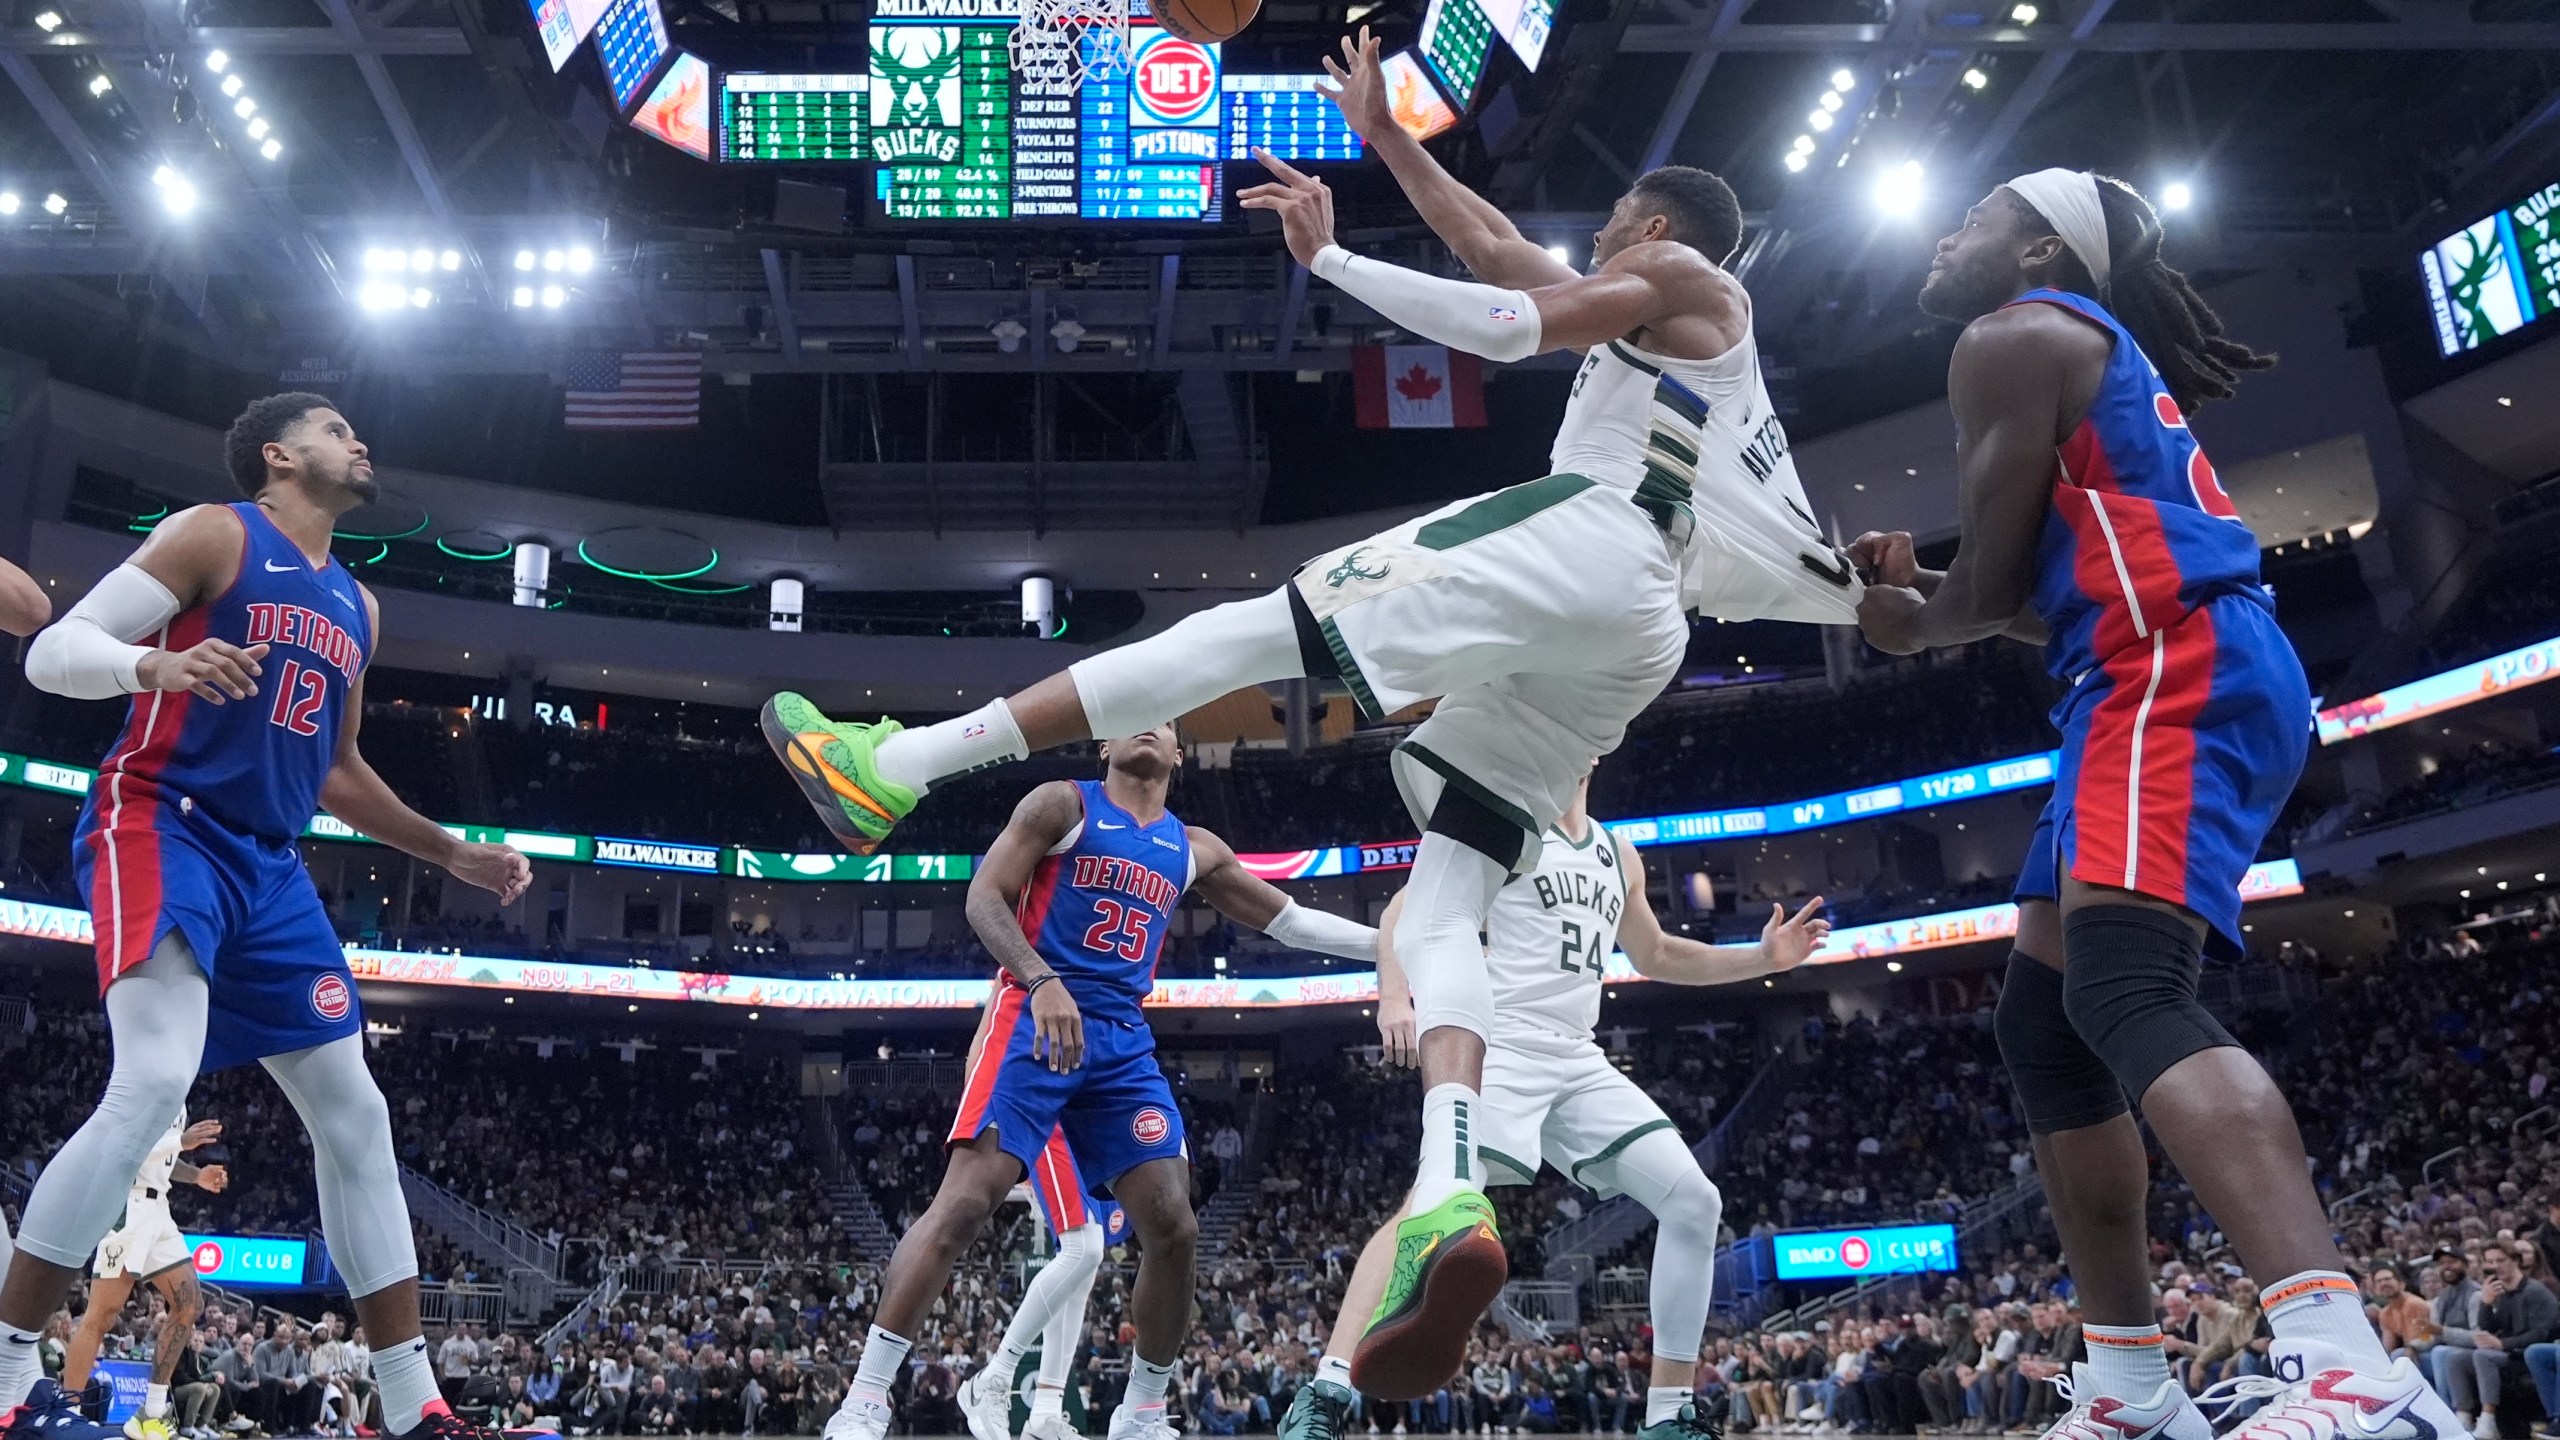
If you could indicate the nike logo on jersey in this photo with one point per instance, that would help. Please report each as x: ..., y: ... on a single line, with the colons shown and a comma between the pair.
x: 1107, y: 825
x: 281, y: 569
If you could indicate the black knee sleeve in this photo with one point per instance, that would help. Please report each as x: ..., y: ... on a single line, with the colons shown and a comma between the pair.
x: 1473, y: 823
x: 2061, y: 1082
x: 2131, y: 992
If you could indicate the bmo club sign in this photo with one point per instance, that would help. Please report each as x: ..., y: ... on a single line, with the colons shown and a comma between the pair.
x: 1856, y: 1254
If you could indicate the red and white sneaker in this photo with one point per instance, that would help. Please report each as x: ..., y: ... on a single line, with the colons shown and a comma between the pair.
x: 2316, y: 1395
x: 2166, y: 1414
x: 438, y: 1422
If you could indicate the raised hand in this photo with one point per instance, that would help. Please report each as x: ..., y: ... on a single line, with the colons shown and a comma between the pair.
x: 1359, y: 87
x: 1303, y: 203
x: 501, y: 870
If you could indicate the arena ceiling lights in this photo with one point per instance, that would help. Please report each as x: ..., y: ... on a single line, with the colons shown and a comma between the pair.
x: 411, y: 275
x: 1825, y: 114
x: 654, y: 556
x: 548, y: 276
x: 242, y: 107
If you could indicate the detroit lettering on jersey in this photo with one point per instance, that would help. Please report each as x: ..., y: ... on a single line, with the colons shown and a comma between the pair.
x: 295, y: 627
x: 1128, y: 877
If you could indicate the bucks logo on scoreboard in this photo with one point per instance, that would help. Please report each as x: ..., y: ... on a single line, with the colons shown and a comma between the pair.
x: 915, y: 93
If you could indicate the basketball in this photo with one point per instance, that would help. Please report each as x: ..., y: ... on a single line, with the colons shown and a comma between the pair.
x: 1206, y: 21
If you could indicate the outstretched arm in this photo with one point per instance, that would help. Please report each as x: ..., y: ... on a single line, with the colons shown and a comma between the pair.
x: 24, y: 607
x: 1639, y: 285
x: 1478, y: 234
x: 2005, y: 385
x: 1888, y: 556
x: 1784, y: 942
x: 354, y: 793
x: 1248, y: 899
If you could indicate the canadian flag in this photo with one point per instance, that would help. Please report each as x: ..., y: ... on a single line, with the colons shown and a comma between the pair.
x: 1425, y: 387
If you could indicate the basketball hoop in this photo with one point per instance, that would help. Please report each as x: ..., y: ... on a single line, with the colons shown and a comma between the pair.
x: 1061, y: 42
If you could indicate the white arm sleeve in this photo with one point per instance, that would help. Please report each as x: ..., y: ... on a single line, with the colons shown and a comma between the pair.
x: 1480, y: 319
x: 89, y: 654
x: 1325, y: 934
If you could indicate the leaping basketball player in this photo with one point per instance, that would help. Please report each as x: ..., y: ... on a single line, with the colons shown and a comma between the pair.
x: 247, y: 694
x: 24, y: 607
x: 2093, y: 524
x: 1073, y: 901
x: 1051, y: 1314
x: 1545, y: 615
x: 146, y: 1245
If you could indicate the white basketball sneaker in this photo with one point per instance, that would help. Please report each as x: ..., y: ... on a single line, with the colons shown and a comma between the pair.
x: 2316, y: 1395
x: 987, y: 1407
x: 1051, y: 1426
x: 858, y: 1419
x: 1130, y: 1423
x: 2166, y: 1415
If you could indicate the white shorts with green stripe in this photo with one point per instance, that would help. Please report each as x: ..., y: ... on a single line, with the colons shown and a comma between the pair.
x: 1557, y: 1100
x: 1544, y: 617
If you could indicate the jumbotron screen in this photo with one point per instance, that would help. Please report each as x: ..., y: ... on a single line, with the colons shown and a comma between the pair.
x: 958, y: 135
x: 2496, y: 275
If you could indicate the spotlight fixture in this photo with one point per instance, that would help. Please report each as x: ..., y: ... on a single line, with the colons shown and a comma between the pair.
x: 1009, y: 334
x: 54, y: 204
x: 271, y: 149
x: 1975, y: 79
x: 176, y: 194
x: 244, y: 107
x: 231, y: 85
x: 258, y: 128
x: 581, y: 260
x: 1068, y: 333
x: 1563, y: 256
x: 50, y: 21
x: 552, y: 260
x: 449, y: 261
x: 524, y: 259
x: 99, y: 84
x: 8, y: 202
x: 553, y: 297
x: 1899, y: 190
x: 1831, y: 101
x: 1820, y: 120
x: 1795, y: 162
x: 2177, y: 195
x: 523, y: 297
x: 1803, y: 145
x: 422, y: 259
x: 2024, y: 14
x: 422, y: 297
x: 214, y: 60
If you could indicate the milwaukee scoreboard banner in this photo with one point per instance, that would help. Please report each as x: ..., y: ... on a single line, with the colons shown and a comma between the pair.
x: 959, y: 136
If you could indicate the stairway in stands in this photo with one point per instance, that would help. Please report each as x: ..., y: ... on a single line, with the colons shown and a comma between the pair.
x: 859, y: 1218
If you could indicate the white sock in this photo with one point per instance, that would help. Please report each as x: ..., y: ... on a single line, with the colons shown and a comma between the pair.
x: 1147, y: 1382
x: 20, y: 1368
x: 1334, y: 1370
x: 1449, y: 1162
x: 2129, y: 1362
x: 2325, y: 1305
x: 882, y: 1354
x: 155, y: 1400
x: 1048, y: 1399
x: 408, y: 1383
x: 923, y: 757
x: 1663, y: 1402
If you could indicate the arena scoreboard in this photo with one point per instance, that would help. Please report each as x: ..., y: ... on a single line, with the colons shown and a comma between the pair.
x: 678, y: 112
x: 2496, y: 275
x: 631, y: 41
x: 1456, y: 39
x: 1524, y: 25
x: 793, y: 119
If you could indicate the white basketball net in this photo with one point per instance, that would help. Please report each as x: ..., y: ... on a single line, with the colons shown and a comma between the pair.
x: 1061, y: 42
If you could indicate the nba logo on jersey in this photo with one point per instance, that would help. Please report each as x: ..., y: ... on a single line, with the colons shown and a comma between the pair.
x: 329, y: 997
x: 1148, y: 1126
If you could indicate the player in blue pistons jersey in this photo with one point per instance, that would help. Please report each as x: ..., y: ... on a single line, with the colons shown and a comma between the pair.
x: 240, y: 645
x: 1073, y: 901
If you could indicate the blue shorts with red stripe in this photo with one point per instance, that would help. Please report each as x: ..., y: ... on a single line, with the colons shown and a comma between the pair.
x: 1115, y: 1112
x: 2178, y: 752
x: 1058, y: 1188
x: 150, y: 862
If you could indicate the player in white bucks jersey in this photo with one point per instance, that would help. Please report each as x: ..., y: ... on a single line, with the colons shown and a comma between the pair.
x: 146, y: 1245
x: 1552, y: 1097
x: 1542, y: 617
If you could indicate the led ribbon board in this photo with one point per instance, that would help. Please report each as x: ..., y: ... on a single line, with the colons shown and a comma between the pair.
x: 1855, y: 1254
x: 2446, y: 690
x: 498, y: 974
x: 2497, y: 274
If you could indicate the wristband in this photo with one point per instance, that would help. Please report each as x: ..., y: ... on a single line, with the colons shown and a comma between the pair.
x: 1034, y: 987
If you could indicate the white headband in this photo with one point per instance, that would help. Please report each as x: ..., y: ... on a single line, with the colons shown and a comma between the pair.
x: 2068, y: 200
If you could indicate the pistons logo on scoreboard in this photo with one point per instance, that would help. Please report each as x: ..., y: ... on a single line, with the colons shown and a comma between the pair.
x: 330, y: 998
x: 1173, y: 81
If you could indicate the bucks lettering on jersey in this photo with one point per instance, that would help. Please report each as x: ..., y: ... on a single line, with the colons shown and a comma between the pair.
x: 1551, y: 931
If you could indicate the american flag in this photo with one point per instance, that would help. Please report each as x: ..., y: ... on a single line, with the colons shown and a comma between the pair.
x: 635, y: 390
